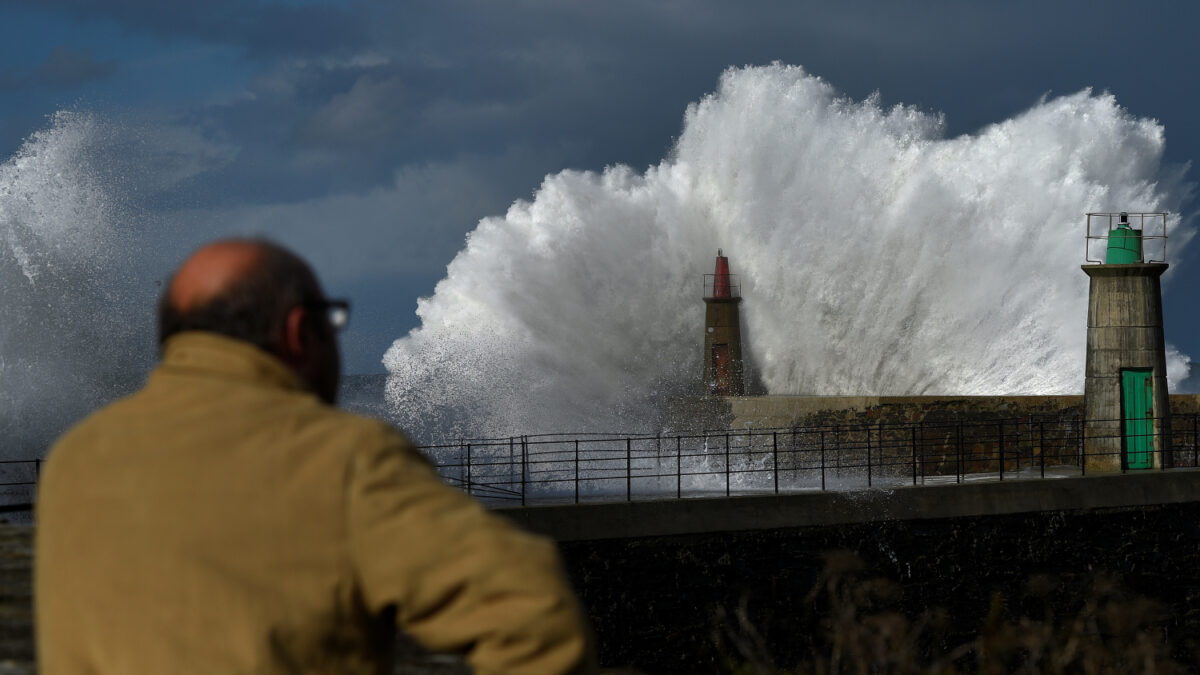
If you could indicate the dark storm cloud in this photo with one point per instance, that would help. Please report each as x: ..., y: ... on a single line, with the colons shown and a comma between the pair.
x: 64, y: 67
x: 420, y: 107
x: 438, y: 81
x: 386, y: 84
x: 259, y: 28
x: 603, y: 84
x: 590, y: 84
x: 342, y: 95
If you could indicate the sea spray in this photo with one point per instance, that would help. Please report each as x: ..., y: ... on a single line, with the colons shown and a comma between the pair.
x: 876, y: 256
x: 66, y: 342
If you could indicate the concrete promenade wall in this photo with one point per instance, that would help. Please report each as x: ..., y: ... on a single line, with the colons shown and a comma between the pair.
x: 944, y: 435
x: 786, y: 411
x: 766, y: 412
x: 659, y: 578
x: 634, y: 519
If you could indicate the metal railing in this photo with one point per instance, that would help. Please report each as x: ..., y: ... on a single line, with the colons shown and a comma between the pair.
x: 586, y: 468
x: 554, y: 469
x: 710, y: 285
x: 18, y: 483
x: 1153, y: 228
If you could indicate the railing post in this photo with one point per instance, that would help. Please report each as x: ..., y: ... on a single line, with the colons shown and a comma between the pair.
x: 1083, y: 446
x: 795, y: 454
x: 678, y: 467
x: 628, y: 469
x: 837, y: 443
x: 822, y: 459
x: 868, y: 455
x: 1124, y: 457
x: 921, y: 448
x: 1080, y: 436
x: 468, y: 468
x: 524, y: 467
x: 726, y: 464
x: 1042, y: 444
x: 1017, y: 449
x: 775, y: 457
x: 1030, y: 426
x: 1000, y: 445
x: 958, y: 460
x: 576, y: 470
x: 1165, y: 443
x: 913, y: 430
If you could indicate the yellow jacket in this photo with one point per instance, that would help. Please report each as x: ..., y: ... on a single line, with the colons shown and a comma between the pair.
x: 224, y: 520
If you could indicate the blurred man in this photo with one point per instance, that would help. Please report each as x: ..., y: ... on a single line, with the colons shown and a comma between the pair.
x: 227, y: 519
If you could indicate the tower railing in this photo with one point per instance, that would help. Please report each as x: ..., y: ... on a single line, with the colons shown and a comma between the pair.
x: 711, y: 283
x: 1153, y: 228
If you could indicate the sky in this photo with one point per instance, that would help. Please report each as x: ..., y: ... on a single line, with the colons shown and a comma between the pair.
x: 373, y: 136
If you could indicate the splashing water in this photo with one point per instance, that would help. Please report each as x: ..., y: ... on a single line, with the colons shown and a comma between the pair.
x: 65, y: 345
x: 876, y: 257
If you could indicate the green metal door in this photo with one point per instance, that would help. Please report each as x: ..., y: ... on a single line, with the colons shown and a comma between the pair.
x: 1137, y: 406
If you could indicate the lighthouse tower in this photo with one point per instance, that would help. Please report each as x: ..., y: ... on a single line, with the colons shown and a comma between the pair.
x: 722, y: 332
x: 1125, y: 389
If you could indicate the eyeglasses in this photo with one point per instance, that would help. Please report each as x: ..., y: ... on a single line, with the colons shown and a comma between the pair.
x: 337, y: 312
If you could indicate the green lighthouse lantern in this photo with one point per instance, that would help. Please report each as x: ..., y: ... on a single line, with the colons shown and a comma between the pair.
x: 1124, y: 244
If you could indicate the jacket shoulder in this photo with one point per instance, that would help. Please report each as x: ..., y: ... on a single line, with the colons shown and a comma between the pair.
x: 368, y: 428
x: 362, y: 437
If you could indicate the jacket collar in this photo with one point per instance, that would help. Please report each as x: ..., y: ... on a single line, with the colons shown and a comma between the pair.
x: 197, y: 352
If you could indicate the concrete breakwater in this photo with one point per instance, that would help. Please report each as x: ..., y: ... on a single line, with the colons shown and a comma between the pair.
x: 660, y: 578
x: 766, y: 412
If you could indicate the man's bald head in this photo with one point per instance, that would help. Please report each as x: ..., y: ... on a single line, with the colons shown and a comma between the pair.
x: 241, y: 288
x: 211, y: 271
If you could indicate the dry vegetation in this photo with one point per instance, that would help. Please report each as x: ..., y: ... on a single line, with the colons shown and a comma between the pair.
x: 858, y: 628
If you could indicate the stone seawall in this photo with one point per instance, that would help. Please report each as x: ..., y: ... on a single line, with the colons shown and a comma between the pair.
x: 929, y: 435
x: 659, y: 578
x: 780, y: 412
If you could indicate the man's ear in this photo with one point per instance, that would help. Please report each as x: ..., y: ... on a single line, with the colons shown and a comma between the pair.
x: 295, y: 337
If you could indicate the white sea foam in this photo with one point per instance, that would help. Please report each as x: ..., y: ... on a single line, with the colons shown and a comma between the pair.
x: 66, y: 344
x: 876, y: 256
